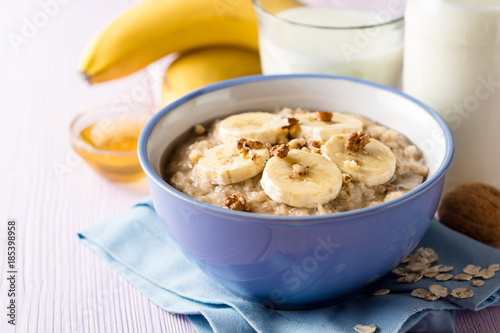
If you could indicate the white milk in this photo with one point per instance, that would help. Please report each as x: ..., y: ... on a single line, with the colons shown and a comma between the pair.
x: 373, y: 54
x: 452, y: 63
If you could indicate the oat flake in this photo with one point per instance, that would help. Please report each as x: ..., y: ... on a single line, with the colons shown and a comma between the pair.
x: 463, y: 277
x: 462, y: 293
x: 444, y: 277
x: 477, y: 283
x: 365, y: 329
x: 438, y: 290
x: 381, y: 292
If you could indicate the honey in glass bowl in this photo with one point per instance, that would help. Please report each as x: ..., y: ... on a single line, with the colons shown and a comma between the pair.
x: 107, y: 141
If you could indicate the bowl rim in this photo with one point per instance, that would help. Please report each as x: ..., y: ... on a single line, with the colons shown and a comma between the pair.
x: 293, y: 220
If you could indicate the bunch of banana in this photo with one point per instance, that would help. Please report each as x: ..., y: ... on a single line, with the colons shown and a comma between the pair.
x: 155, y: 28
x: 299, y: 178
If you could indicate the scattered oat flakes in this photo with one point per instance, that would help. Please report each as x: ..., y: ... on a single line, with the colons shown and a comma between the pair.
x: 431, y: 274
x: 462, y: 293
x: 424, y: 294
x: 486, y: 273
x: 471, y: 269
x: 381, y: 292
x: 417, y: 266
x: 477, y: 283
x: 444, y: 277
x: 365, y: 329
x: 426, y: 252
x: 410, y: 278
x: 432, y: 269
x: 494, y: 267
x: 438, y: 290
x: 463, y: 277
x: 407, y: 258
x: 400, y: 271
x: 446, y: 268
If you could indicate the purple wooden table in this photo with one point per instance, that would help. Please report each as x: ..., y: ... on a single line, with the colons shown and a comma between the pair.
x: 62, y: 286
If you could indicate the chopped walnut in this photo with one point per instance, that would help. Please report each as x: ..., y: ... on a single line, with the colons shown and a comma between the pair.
x: 235, y: 202
x: 389, y: 187
x: 298, y: 170
x: 199, y: 130
x: 292, y: 129
x: 252, y: 144
x: 346, y: 178
x: 313, y: 144
x: 324, y: 115
x: 357, y: 141
x: 280, y: 150
x: 245, y: 145
x: 291, y: 122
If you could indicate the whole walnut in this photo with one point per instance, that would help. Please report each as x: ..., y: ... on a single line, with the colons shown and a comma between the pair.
x: 474, y: 210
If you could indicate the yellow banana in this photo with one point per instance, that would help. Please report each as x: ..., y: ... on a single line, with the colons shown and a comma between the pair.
x: 154, y: 28
x: 201, y: 67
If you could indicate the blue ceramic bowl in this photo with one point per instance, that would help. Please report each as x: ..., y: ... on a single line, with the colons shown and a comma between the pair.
x: 297, y: 262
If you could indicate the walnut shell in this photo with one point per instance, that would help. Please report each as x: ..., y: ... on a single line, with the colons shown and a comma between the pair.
x: 474, y: 210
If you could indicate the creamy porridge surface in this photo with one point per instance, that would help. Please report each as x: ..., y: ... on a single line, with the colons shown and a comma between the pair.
x: 359, y: 182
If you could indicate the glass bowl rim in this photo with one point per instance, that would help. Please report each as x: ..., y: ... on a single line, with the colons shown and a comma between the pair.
x: 260, y: 10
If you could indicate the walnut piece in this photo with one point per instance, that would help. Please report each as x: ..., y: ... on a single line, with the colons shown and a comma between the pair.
x: 291, y: 122
x: 313, y: 144
x: 389, y: 187
x: 280, y: 150
x: 247, y: 143
x: 235, y: 202
x: 298, y: 170
x: 292, y: 129
x: 324, y: 115
x: 357, y: 141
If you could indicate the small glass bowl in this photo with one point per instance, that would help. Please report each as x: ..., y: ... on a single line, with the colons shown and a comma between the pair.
x: 106, y: 138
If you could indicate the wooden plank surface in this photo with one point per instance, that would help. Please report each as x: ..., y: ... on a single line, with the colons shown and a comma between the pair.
x: 62, y: 286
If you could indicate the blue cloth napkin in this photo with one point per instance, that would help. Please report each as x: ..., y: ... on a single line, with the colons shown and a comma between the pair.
x: 136, y: 244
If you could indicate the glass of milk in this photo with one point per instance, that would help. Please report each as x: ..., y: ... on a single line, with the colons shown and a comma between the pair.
x: 452, y: 63
x: 356, y: 38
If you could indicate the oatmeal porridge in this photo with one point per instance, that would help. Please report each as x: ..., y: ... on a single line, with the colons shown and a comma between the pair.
x: 294, y: 162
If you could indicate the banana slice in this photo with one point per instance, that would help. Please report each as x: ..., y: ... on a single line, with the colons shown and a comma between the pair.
x: 301, y: 179
x: 374, y: 164
x: 261, y: 126
x: 313, y: 128
x: 227, y: 164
